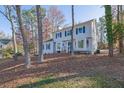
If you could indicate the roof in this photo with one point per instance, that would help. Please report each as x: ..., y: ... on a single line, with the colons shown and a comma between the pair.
x: 76, y: 24
x: 5, y: 41
x: 48, y: 40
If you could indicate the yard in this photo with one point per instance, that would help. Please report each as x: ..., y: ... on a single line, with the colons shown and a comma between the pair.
x: 63, y: 70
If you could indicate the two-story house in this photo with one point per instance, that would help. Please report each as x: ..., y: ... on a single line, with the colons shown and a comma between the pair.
x: 84, y: 38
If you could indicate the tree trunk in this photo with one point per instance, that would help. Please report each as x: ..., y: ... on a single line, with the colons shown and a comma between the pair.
x: 14, y: 41
x: 108, y: 17
x: 121, y: 34
x: 40, y: 37
x: 119, y: 21
x: 25, y: 42
x: 72, y: 48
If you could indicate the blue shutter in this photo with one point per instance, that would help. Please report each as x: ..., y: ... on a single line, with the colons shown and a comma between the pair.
x: 56, y: 35
x: 65, y: 33
x: 70, y: 32
x: 60, y: 34
x: 76, y: 31
x: 83, y: 29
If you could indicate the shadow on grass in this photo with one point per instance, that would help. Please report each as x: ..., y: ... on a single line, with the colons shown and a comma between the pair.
x: 46, y: 81
x: 99, y: 82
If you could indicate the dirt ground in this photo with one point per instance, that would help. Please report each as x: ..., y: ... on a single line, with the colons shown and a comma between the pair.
x: 14, y: 73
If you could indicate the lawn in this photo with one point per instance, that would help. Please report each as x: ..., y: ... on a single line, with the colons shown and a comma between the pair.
x: 63, y: 70
x: 73, y: 82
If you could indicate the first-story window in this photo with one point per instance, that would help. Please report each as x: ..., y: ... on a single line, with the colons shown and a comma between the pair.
x: 58, y: 45
x: 47, y: 46
x: 81, y: 44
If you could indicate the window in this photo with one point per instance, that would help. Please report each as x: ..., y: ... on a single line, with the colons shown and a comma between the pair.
x: 76, y: 31
x: 58, y: 45
x: 67, y: 33
x: 58, y: 35
x: 47, y: 46
x: 80, y: 30
x: 83, y: 29
x: 81, y: 44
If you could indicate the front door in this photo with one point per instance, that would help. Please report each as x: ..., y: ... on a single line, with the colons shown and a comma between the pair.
x: 69, y: 47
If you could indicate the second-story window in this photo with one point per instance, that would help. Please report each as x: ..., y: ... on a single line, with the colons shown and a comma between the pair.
x: 67, y: 33
x: 59, y: 35
x: 80, y: 30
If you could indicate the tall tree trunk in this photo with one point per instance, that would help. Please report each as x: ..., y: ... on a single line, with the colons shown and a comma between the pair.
x: 121, y: 34
x: 25, y: 42
x: 108, y: 17
x: 33, y: 41
x: 72, y: 48
x: 40, y: 37
x: 14, y: 42
x: 120, y: 21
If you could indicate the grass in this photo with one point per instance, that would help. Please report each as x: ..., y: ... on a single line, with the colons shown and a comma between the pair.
x: 74, y: 82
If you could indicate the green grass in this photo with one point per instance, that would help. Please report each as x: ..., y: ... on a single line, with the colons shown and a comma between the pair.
x: 74, y: 82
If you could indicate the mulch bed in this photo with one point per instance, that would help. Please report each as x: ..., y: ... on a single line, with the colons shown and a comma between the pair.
x: 84, y: 65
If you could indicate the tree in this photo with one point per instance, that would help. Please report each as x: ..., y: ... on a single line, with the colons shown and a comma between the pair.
x: 120, y: 22
x: 108, y: 17
x: 47, y: 34
x: 118, y: 27
x: 24, y: 37
x: 29, y: 20
x: 101, y: 26
x: 40, y: 38
x: 72, y: 50
x: 55, y: 17
x: 9, y: 13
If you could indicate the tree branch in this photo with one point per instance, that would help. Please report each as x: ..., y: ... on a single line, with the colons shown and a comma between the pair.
x: 4, y: 15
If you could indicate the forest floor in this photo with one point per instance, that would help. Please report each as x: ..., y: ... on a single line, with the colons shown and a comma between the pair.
x: 64, y: 70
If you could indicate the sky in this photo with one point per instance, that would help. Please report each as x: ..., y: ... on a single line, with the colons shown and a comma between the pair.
x: 82, y: 13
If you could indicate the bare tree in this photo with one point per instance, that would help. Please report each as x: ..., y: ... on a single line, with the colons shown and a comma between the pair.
x: 40, y: 38
x: 9, y: 14
x: 24, y: 37
x: 55, y: 17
